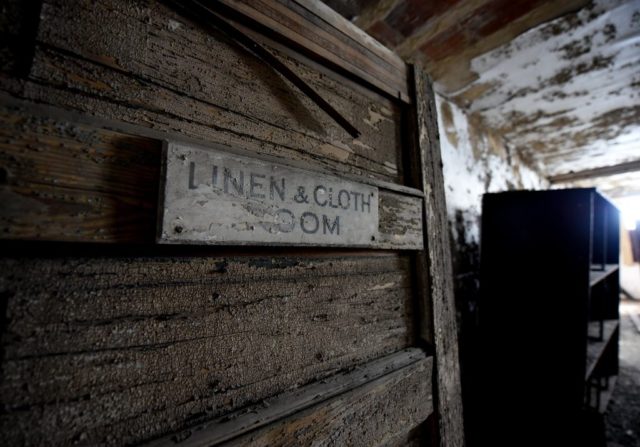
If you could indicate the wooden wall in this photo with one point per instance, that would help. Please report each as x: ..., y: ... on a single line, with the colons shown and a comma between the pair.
x: 109, y: 339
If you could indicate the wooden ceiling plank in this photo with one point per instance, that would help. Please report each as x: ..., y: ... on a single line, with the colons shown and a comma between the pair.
x: 604, y: 171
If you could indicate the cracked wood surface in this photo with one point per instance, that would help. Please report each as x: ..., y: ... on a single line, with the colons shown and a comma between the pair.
x: 388, y: 408
x: 387, y: 389
x: 142, y: 63
x: 312, y: 27
x: 111, y: 349
x: 117, y: 350
x: 443, y: 332
x: 66, y: 181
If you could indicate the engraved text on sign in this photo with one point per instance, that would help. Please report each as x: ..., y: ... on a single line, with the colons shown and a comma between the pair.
x: 214, y: 197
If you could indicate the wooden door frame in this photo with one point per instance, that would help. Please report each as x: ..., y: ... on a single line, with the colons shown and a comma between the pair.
x: 434, y: 271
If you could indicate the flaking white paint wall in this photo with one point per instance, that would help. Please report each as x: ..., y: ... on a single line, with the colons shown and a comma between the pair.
x: 476, y: 162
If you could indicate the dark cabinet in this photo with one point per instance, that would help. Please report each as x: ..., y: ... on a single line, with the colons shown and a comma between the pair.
x: 548, y: 316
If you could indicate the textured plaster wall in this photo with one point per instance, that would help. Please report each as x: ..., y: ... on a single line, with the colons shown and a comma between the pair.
x: 476, y: 160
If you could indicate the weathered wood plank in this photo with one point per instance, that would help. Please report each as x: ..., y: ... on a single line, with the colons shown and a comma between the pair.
x: 400, y: 221
x: 83, y: 86
x: 152, y: 58
x: 440, y: 275
x: 119, y: 350
x: 63, y: 181
x: 319, y: 37
x: 291, y: 402
x: 374, y: 414
x: 326, y: 14
x: 66, y: 181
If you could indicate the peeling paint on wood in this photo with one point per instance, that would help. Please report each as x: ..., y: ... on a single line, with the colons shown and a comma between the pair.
x: 477, y: 160
x: 445, y: 35
x: 305, y: 22
x: 439, y: 279
x: 400, y: 221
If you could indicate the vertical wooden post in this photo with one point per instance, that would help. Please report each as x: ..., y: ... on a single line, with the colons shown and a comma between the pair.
x: 443, y: 335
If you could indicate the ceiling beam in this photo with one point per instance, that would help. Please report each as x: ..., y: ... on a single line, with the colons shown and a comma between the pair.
x: 374, y: 12
x: 604, y: 171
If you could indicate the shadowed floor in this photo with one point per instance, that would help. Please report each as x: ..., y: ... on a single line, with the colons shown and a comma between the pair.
x: 623, y: 412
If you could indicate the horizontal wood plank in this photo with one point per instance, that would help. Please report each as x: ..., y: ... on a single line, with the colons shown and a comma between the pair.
x: 323, y: 12
x: 375, y: 414
x: 73, y: 182
x: 118, y: 350
x: 400, y: 221
x: 303, y: 27
x: 66, y: 181
x: 171, y: 72
x: 291, y: 402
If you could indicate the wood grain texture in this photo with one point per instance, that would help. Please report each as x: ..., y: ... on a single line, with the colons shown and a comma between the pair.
x: 138, y: 61
x: 382, y: 412
x: 326, y: 14
x: 440, y: 274
x: 114, y: 351
x: 108, y: 349
x: 289, y: 404
x: 326, y: 36
x: 66, y: 181
x: 400, y: 221
x: 63, y: 181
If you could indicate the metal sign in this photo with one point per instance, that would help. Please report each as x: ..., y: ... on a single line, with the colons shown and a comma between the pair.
x: 213, y: 197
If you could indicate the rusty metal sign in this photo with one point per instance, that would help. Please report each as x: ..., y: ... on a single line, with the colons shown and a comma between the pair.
x: 213, y: 197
